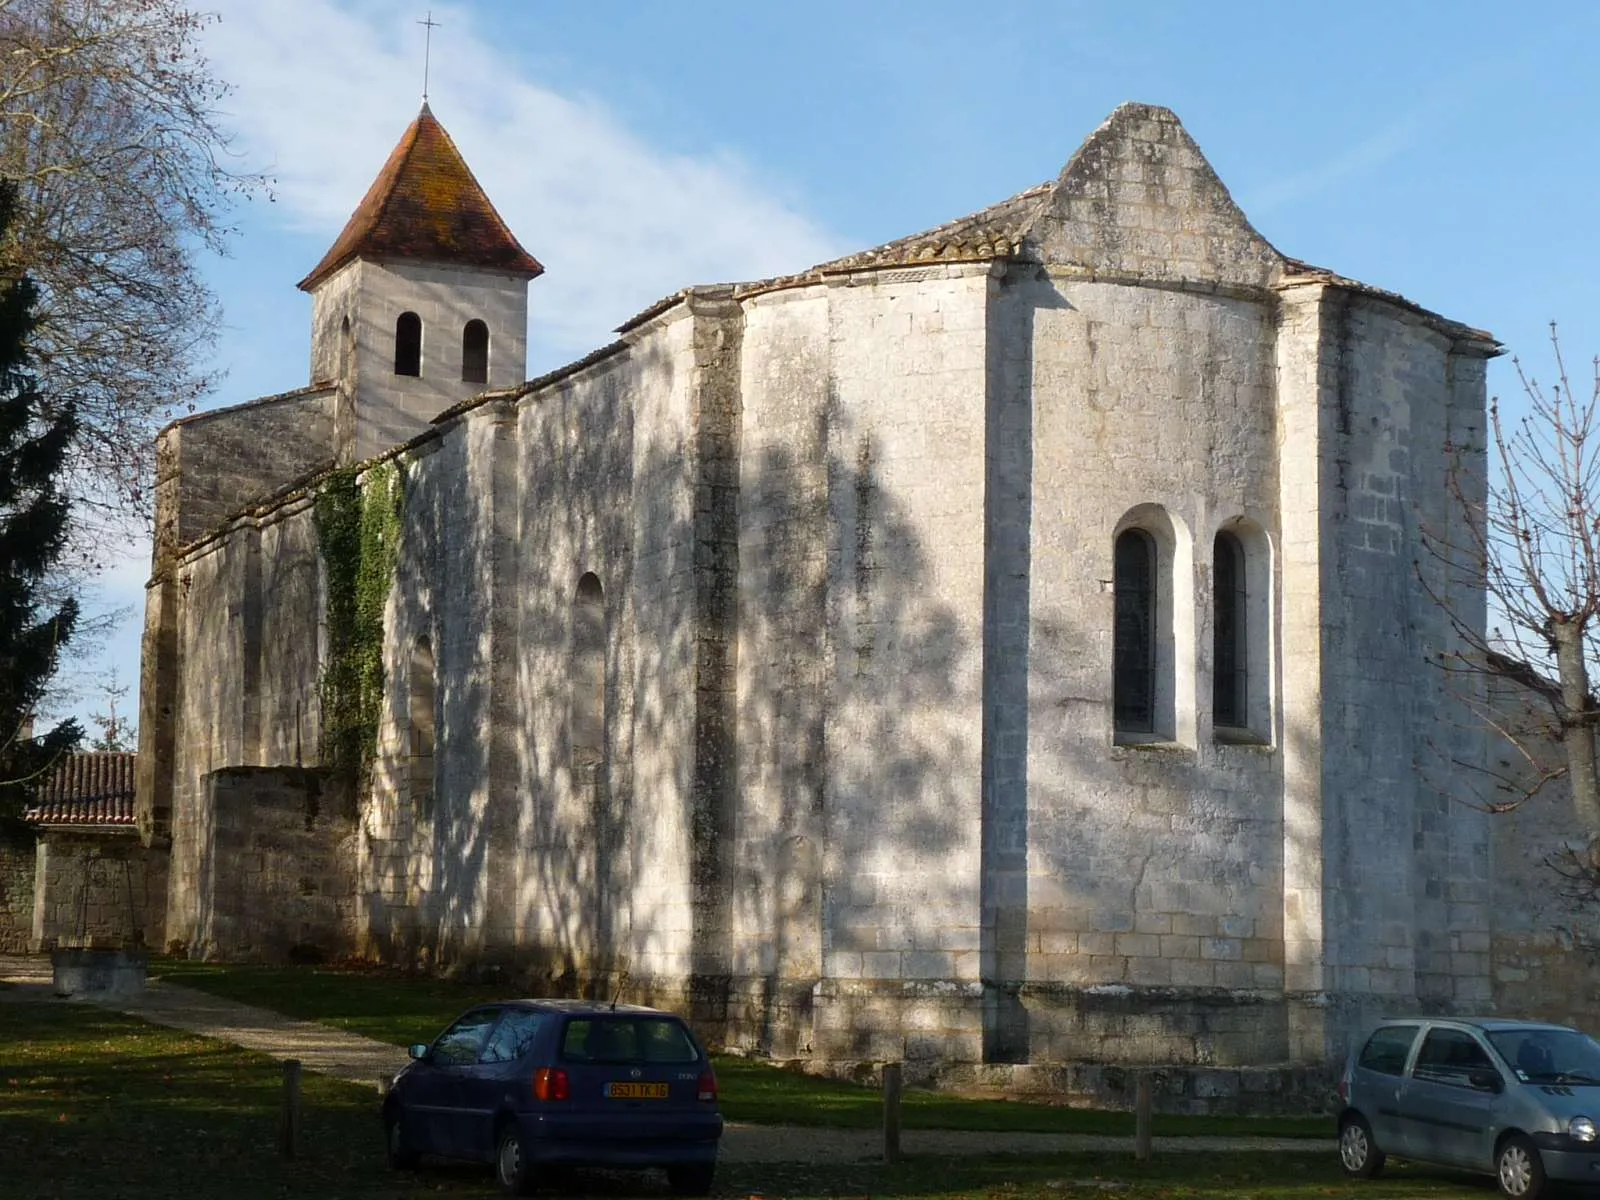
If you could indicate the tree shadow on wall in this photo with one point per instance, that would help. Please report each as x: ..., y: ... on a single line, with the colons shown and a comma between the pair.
x: 789, y: 777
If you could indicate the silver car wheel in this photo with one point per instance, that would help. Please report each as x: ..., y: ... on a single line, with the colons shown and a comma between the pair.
x: 1354, y: 1148
x: 510, y: 1160
x: 1516, y: 1170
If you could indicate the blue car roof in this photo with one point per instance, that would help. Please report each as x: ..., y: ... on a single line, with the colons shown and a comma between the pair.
x: 586, y: 1007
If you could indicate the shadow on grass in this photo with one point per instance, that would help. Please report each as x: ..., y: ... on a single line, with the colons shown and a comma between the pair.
x: 96, y: 1104
x: 401, y: 1008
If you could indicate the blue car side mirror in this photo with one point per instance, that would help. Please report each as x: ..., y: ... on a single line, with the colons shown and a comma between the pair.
x: 418, y: 1051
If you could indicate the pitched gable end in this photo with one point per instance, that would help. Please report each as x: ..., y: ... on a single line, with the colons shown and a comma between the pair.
x: 1139, y: 200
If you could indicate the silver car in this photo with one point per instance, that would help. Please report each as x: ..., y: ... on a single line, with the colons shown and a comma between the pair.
x: 1516, y: 1099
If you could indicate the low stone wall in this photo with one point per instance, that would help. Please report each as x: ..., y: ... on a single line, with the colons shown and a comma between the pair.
x: 277, y: 877
x: 1205, y: 1051
x: 1272, y: 1090
x: 17, y: 865
x: 99, y: 888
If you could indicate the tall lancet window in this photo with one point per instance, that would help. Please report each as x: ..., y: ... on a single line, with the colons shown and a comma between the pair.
x: 475, y: 353
x: 1230, y: 660
x: 587, y: 711
x: 408, y: 344
x: 1134, y: 632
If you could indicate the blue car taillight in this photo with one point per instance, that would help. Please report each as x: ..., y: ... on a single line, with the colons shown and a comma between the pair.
x: 706, y: 1089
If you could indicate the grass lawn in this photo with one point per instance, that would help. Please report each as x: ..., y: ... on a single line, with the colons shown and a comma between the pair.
x: 402, y: 1009
x: 96, y: 1104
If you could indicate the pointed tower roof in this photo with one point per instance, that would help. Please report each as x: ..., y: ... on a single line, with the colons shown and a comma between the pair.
x: 425, y: 205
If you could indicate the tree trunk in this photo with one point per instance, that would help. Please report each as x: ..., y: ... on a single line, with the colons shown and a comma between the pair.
x: 1578, y: 726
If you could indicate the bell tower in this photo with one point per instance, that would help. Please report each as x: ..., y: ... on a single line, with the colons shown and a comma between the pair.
x: 422, y: 302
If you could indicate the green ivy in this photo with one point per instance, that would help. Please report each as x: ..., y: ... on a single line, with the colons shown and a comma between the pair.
x: 358, y: 527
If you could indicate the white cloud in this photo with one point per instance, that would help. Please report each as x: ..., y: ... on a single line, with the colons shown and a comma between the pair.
x: 324, y: 90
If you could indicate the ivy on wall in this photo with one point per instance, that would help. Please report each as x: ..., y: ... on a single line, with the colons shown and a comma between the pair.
x: 358, y: 529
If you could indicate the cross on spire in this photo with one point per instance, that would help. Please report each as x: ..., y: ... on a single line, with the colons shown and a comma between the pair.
x: 427, y: 50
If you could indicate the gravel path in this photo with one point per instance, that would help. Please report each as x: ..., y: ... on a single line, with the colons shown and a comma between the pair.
x: 362, y: 1060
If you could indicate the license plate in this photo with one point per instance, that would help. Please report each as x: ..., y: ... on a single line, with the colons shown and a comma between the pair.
x: 636, y: 1091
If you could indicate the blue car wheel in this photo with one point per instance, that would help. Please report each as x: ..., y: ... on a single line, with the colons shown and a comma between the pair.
x: 512, y: 1166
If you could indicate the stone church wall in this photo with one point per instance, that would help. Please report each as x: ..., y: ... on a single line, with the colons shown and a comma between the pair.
x: 576, y: 809
x: 1154, y: 868
x: 247, y: 647
x: 1397, y: 397
x: 212, y: 465
x: 273, y: 868
x: 1544, y: 939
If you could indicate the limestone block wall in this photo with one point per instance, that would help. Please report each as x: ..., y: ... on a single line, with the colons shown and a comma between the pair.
x: 861, y: 585
x: 285, y: 643
x: 1385, y: 815
x: 575, y: 815
x: 398, y: 817
x: 1544, y: 935
x: 452, y: 482
x: 1155, y: 866
x: 17, y: 861
x: 672, y: 933
x: 98, y: 888
x: 214, y: 464
x: 784, y: 655
x: 276, y: 868
x: 246, y: 649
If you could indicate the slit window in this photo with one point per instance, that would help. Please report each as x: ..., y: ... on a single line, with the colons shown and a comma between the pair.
x: 1134, y: 632
x: 475, y: 352
x: 408, y: 344
x: 1230, y: 661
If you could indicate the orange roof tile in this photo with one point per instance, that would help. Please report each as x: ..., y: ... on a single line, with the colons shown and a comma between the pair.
x: 425, y: 204
x: 87, y: 788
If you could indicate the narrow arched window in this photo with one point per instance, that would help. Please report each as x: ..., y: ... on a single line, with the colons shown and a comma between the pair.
x: 408, y: 344
x: 588, y: 677
x: 1134, y: 632
x: 1230, y: 635
x: 347, y: 350
x: 475, y: 352
x: 421, y: 721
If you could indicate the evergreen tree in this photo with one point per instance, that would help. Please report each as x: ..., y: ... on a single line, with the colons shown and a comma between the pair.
x: 35, y: 436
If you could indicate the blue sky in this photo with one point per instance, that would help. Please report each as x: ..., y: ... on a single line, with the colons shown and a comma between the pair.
x: 1443, y: 151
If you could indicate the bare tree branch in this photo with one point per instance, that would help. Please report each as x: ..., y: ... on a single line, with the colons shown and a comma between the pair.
x: 1529, y: 536
x: 109, y: 131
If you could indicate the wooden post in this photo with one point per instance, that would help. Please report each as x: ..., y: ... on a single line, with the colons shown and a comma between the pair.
x: 289, y: 1118
x: 891, y: 1112
x: 1141, y: 1117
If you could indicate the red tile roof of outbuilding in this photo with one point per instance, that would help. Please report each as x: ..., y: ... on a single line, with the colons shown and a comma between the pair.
x: 425, y: 205
x: 92, y: 788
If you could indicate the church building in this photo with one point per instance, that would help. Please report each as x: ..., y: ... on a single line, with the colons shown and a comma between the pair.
x: 1005, y: 647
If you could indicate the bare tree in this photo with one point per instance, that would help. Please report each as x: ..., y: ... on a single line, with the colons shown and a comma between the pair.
x: 1529, y: 534
x: 110, y: 133
x: 117, y: 732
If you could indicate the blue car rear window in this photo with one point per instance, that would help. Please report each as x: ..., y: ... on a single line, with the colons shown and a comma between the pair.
x: 628, y: 1040
x: 513, y: 1037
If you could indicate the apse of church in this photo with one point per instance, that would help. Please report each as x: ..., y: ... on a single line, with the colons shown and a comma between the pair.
x: 998, y: 647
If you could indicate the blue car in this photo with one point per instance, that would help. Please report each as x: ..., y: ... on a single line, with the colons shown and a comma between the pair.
x: 533, y: 1084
